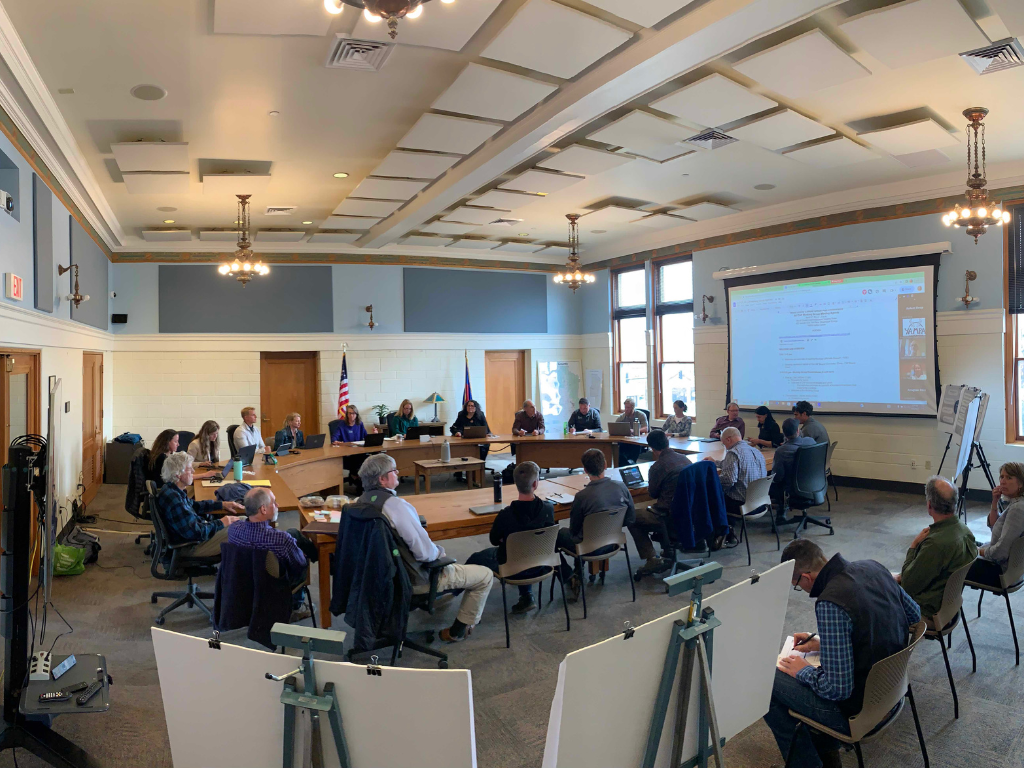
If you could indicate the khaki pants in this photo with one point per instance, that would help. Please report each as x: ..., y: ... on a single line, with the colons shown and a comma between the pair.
x: 476, y: 580
x: 208, y: 548
x: 648, y: 519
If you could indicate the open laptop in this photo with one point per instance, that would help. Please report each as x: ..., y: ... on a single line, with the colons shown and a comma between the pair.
x: 620, y: 428
x: 373, y: 439
x: 632, y: 477
x: 414, y: 433
x: 476, y: 432
x: 314, y: 441
x: 246, y: 454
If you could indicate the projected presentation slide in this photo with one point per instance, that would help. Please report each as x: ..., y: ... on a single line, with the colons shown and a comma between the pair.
x: 858, y: 342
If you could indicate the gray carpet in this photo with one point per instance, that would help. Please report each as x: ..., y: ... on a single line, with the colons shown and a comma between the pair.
x: 110, y: 610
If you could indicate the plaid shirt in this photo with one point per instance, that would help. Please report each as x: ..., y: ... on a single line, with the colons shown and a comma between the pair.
x: 262, y: 536
x: 186, y: 519
x: 742, y: 465
x: 833, y: 680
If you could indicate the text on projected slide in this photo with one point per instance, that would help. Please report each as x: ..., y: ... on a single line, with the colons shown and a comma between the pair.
x: 859, y: 342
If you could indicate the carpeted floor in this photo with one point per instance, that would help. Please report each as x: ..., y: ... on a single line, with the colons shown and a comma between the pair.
x: 110, y: 610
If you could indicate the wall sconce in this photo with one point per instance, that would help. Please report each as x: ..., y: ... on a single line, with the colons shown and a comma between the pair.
x: 967, y: 299
x: 704, y: 301
x: 371, y: 325
x: 76, y: 298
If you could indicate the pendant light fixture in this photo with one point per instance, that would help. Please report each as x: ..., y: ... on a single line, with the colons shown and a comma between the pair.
x: 391, y: 11
x: 573, y: 276
x: 979, y: 214
x: 245, y: 265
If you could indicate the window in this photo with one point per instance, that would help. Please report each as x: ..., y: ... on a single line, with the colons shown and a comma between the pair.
x: 1015, y: 325
x: 673, y: 318
x: 629, y: 329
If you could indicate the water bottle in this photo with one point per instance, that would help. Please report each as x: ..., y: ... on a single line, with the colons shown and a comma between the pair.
x: 446, y: 452
x: 497, y: 488
x: 238, y: 470
x: 636, y: 426
x: 565, y: 429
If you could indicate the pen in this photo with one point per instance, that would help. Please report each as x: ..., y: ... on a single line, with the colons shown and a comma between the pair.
x: 806, y: 639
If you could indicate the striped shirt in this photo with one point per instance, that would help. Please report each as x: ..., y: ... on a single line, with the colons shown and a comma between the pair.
x: 740, y: 467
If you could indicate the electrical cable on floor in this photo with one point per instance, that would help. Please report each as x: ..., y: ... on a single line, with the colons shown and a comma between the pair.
x: 71, y: 630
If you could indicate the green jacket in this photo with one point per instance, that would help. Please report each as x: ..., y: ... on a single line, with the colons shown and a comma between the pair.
x: 948, y: 546
x: 400, y: 425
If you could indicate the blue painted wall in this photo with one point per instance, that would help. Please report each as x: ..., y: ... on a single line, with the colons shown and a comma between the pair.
x: 358, y: 285
x: 596, y: 303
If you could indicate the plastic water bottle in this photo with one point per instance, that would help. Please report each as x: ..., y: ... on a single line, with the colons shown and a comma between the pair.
x: 446, y: 452
x: 238, y: 470
x: 497, y: 488
x: 565, y: 428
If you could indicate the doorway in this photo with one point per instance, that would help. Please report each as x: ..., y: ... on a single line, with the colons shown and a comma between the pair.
x: 289, y: 383
x: 92, y: 424
x: 19, y: 396
x: 505, y: 379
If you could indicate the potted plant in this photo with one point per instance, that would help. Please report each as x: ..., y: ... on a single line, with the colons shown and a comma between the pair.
x: 382, y: 413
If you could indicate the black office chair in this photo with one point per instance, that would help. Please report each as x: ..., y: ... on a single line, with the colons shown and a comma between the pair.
x: 231, y: 441
x: 137, y: 494
x: 810, y: 486
x: 169, y: 564
x: 184, y: 438
x: 330, y: 428
x: 646, y: 413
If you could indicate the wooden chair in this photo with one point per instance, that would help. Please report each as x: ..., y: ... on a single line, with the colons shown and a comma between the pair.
x: 950, y: 614
x: 530, y: 557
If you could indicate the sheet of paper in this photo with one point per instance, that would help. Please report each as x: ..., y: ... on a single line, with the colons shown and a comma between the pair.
x: 560, y: 498
x: 331, y: 516
x: 788, y: 649
x: 218, y: 484
x: 947, y: 407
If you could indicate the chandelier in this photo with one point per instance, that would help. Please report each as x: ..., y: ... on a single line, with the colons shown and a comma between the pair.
x: 245, y: 266
x: 979, y: 214
x: 385, y: 10
x: 573, y: 276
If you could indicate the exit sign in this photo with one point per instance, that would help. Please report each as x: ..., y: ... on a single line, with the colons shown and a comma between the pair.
x: 15, y: 287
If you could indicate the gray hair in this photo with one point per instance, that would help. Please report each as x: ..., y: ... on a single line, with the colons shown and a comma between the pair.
x: 526, y: 403
x: 731, y: 432
x: 255, y: 500
x: 629, y: 400
x: 174, y: 466
x: 941, y: 495
x: 526, y: 474
x: 375, y: 467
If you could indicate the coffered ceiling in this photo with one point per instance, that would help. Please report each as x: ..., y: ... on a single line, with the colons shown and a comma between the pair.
x: 488, y: 120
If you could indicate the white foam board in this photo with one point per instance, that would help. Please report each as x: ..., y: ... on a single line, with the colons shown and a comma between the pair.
x: 415, y: 165
x: 542, y: 182
x: 167, y: 235
x: 479, y: 216
x: 705, y: 211
x: 166, y: 156
x: 144, y: 183
x: 280, y: 235
x: 644, y: 134
x: 388, y: 189
x: 584, y: 161
x: 443, y: 133
x: 911, y: 137
x: 350, y: 222
x: 646, y: 13
x: 427, y: 241
x: 492, y: 93
x: 782, y: 129
x: 231, y: 184
x: 334, y: 237
x: 506, y: 200
x: 353, y: 206
x: 218, y: 235
x: 833, y: 153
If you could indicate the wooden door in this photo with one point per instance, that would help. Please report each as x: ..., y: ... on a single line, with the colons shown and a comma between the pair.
x: 289, y: 383
x: 19, y: 397
x: 505, y: 379
x: 92, y: 424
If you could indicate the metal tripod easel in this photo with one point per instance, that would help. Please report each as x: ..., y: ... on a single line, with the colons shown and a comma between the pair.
x: 976, y: 452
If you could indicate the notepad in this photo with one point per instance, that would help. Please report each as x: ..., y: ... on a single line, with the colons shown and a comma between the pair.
x: 560, y: 498
x: 219, y: 483
x: 328, y: 516
x: 811, y: 657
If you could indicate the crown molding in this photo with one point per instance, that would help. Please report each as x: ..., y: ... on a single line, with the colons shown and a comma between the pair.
x: 372, y: 259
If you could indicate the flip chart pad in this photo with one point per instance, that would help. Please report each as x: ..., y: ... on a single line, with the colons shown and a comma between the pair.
x: 604, y: 699
x: 432, y: 710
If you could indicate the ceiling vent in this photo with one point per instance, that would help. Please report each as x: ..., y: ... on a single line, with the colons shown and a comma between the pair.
x: 279, y: 210
x: 1002, y: 54
x: 710, y: 139
x: 348, y: 53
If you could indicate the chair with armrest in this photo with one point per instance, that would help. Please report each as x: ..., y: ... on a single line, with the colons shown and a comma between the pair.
x: 603, y: 537
x: 828, y: 470
x: 231, y: 441
x: 530, y: 557
x: 886, y: 691
x: 137, y: 495
x: 757, y: 505
x: 171, y: 564
x: 184, y: 438
x: 1011, y: 580
x: 331, y: 426
x: 809, y: 486
x: 951, y: 613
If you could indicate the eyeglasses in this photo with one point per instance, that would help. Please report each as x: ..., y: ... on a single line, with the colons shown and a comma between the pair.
x: 796, y: 584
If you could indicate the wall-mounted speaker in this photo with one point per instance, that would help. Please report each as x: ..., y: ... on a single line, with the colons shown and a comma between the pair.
x: 119, y: 319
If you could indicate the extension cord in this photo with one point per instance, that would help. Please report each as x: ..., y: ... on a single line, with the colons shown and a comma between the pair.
x: 39, y: 667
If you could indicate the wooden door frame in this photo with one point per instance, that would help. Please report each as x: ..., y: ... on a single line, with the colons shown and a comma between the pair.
x: 35, y: 388
x: 306, y: 421
x: 95, y: 490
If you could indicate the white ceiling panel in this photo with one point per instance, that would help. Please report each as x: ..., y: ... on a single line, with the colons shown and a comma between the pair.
x: 388, y: 189
x: 476, y: 245
x: 713, y: 101
x: 705, y: 211
x: 442, y: 133
x: 167, y: 235
x: 801, y: 66
x: 231, y: 184
x: 448, y: 228
x: 442, y: 25
x: 218, y: 235
x: 349, y: 222
x: 924, y: 159
x: 519, y: 247
x: 833, y: 153
x: 415, y: 165
x: 479, y: 216
x: 270, y: 17
x: 584, y: 160
x: 542, y: 182
x: 551, y: 38
x: 912, y: 137
x: 555, y: 250
x: 609, y: 216
x: 783, y: 129
x: 1012, y: 14
x: 353, y: 206
x: 486, y: 92
x: 646, y: 13
x: 280, y: 235
x: 156, y: 183
x: 661, y: 221
x: 425, y: 241
x: 334, y: 237
x: 646, y: 135
x: 915, y: 31
x: 165, y: 156
x: 511, y: 201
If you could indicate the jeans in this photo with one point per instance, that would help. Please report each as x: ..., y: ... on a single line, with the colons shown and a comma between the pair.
x: 789, y: 693
x: 649, y: 520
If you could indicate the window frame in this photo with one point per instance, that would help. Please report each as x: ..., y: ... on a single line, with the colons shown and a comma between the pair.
x: 624, y: 314
x: 660, y: 310
x: 1013, y: 354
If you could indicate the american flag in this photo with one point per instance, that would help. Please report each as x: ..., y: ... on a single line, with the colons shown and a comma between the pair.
x: 467, y: 392
x: 343, y: 388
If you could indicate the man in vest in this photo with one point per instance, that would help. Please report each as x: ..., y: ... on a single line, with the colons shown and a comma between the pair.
x: 863, y: 617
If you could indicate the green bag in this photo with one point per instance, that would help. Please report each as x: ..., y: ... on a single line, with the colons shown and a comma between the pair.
x: 68, y: 561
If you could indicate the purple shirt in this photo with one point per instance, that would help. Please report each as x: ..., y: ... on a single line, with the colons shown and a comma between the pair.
x: 346, y: 434
x: 723, y: 422
x: 261, y: 536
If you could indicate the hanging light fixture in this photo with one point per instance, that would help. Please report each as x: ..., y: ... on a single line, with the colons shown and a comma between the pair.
x: 390, y: 11
x: 245, y: 265
x: 573, y: 276
x: 979, y: 214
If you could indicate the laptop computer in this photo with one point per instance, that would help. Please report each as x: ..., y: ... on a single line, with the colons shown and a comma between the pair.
x: 314, y: 441
x: 477, y: 432
x: 632, y: 477
x: 373, y: 439
x: 414, y: 433
x: 620, y: 428
x: 246, y: 454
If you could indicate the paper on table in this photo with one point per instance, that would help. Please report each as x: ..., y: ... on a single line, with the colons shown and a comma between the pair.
x: 788, y: 649
x: 560, y: 498
x: 332, y: 516
x: 219, y: 483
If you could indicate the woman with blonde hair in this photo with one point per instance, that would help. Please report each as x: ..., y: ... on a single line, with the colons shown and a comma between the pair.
x: 1006, y: 519
x: 404, y: 418
x: 290, y: 433
x: 205, y: 448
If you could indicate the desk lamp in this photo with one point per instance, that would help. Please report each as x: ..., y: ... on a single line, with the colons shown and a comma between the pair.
x: 435, y: 399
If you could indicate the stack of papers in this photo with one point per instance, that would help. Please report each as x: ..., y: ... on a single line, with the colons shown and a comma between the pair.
x: 328, y: 516
x: 813, y: 657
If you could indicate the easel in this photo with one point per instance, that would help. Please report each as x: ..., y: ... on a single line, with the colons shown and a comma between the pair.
x: 697, y: 657
x: 976, y: 450
x: 309, y: 640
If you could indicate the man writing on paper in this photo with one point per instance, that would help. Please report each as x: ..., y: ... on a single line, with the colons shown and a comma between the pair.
x: 585, y: 417
x: 863, y: 617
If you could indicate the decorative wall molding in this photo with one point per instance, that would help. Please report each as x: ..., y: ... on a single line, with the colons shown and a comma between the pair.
x: 24, y: 327
x: 838, y: 258
x: 376, y: 259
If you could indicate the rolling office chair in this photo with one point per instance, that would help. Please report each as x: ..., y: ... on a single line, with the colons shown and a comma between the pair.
x: 231, y: 441
x: 828, y: 470
x: 184, y: 438
x: 810, y: 486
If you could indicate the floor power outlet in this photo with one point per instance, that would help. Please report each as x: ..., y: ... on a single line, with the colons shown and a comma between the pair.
x: 39, y: 667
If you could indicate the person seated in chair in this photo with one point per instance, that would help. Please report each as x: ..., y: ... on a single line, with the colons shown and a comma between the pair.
x: 293, y: 550
x: 403, y: 419
x: 380, y: 473
x: 731, y: 419
x: 863, y: 617
x: 661, y: 485
x: 678, y: 424
x: 741, y: 465
x: 526, y: 513
x: 290, y: 433
x: 585, y: 417
x: 471, y: 416
x: 205, y: 447
x: 768, y: 433
x: 1006, y: 521
x: 809, y: 426
x: 783, y: 466
x: 629, y: 452
x: 528, y: 421
x: 247, y: 433
x: 188, y: 520
x: 945, y: 546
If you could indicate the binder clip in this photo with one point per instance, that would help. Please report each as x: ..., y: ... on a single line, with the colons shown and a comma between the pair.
x: 215, y: 640
x: 373, y: 668
x: 754, y: 577
x: 629, y: 631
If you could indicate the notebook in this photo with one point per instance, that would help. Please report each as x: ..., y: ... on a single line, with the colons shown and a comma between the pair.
x: 813, y: 657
